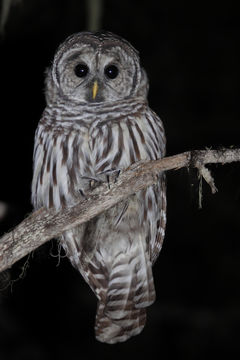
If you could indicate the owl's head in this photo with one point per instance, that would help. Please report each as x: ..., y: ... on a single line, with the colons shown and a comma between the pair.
x: 95, y: 67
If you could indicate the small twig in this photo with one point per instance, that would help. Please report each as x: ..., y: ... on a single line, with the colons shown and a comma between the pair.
x: 44, y: 224
x: 206, y: 174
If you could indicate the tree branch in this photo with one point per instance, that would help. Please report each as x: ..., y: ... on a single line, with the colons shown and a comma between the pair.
x: 44, y: 225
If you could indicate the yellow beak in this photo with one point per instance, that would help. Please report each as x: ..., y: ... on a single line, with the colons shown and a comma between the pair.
x: 95, y: 89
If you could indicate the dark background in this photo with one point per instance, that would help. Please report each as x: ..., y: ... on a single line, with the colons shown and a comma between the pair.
x: 191, y: 53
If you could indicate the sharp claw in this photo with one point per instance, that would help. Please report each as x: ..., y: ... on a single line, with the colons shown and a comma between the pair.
x: 108, y: 181
x: 82, y: 193
x: 110, y: 173
x: 117, y: 176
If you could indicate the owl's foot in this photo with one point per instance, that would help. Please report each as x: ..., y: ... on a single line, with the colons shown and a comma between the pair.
x: 93, y: 182
x: 112, y: 175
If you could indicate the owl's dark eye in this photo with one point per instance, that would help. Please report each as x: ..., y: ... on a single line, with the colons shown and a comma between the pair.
x: 81, y: 70
x: 111, y: 71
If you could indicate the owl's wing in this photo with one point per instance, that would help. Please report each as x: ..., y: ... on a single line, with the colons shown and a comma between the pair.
x: 154, y: 197
x: 154, y: 216
x: 60, y: 160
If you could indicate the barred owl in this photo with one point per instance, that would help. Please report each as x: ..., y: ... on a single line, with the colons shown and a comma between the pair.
x: 96, y: 123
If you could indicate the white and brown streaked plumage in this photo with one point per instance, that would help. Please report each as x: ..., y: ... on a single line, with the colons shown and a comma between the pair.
x: 96, y: 121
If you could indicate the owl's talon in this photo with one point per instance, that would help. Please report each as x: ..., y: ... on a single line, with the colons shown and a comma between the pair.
x: 117, y: 176
x: 82, y: 193
x: 111, y: 174
x: 93, y: 181
x: 108, y: 181
x: 91, y: 178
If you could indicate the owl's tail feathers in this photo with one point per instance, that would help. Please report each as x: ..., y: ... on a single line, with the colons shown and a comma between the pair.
x: 130, y: 290
x: 112, y: 331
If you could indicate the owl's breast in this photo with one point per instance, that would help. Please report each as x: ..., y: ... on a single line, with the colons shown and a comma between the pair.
x: 118, y: 143
x: 67, y: 157
x: 107, y: 148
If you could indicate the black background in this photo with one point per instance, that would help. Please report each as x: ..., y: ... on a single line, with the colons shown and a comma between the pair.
x: 191, y: 54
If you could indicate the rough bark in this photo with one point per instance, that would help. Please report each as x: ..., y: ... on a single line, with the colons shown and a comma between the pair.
x: 44, y: 225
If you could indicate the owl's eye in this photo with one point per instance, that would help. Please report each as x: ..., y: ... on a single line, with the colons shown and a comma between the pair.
x: 111, y: 71
x: 81, y: 70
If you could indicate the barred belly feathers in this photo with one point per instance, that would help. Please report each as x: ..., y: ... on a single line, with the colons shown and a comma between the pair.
x: 96, y: 123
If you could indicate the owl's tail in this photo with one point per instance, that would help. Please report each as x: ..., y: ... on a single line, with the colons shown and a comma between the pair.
x: 130, y: 290
x: 112, y: 331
